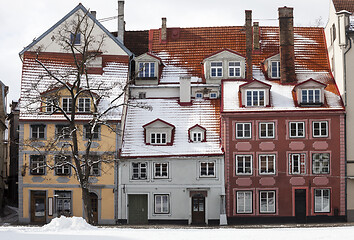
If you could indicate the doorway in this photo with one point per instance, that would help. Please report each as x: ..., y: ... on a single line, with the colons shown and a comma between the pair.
x: 198, y: 209
x: 38, y: 207
x: 138, y: 209
x: 300, y: 205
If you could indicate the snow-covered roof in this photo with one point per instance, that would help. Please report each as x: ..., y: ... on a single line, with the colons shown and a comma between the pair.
x: 35, y: 81
x: 205, y: 113
x: 281, y: 95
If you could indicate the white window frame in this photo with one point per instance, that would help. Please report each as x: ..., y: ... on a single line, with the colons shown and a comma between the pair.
x: 322, y: 202
x: 268, y: 159
x: 141, y: 168
x: 243, y: 164
x: 270, y: 202
x: 209, y: 167
x: 244, y: 202
x: 319, y: 128
x: 243, y: 131
x: 216, y: 66
x: 66, y: 104
x: 84, y: 105
x: 38, y: 131
x: 147, y: 69
x: 321, y: 163
x: 267, y: 126
x: 256, y: 100
x: 297, y: 124
x: 308, y: 99
x: 155, y: 136
x: 277, y: 73
x: 236, y: 67
x: 164, y: 200
x: 161, y: 170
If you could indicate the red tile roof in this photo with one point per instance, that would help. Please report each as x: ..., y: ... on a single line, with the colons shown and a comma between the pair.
x: 340, y: 5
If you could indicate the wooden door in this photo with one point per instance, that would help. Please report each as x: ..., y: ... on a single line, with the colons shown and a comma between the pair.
x: 198, y: 209
x: 94, y: 207
x: 38, y: 207
x: 300, y: 205
x: 138, y: 209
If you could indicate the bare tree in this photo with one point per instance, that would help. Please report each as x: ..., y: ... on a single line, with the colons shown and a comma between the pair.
x: 98, y: 100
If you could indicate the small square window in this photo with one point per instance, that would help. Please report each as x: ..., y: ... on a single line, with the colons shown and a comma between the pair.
x: 162, y: 203
x: 243, y: 130
x: 297, y: 129
x: 320, y: 129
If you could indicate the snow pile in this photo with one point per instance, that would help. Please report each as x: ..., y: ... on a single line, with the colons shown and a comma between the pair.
x: 67, y: 223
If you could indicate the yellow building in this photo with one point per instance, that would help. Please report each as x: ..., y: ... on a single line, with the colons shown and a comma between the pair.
x: 48, y: 180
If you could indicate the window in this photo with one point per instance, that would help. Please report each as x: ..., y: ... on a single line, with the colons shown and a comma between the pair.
x: 161, y: 170
x: 320, y: 129
x: 322, y: 200
x: 37, y: 131
x: 162, y: 204
x: 37, y: 164
x: 243, y: 164
x: 63, y: 203
x: 234, y: 69
x: 62, y: 131
x: 158, y: 138
x: 320, y: 163
x: 244, y: 201
x: 199, y: 95
x: 266, y: 130
x: 297, y: 163
x: 216, y: 69
x: 75, y: 38
x: 84, y: 105
x: 213, y: 95
x: 62, y: 163
x: 255, y: 98
x: 243, y: 130
x: 147, y: 69
x: 66, y: 104
x: 266, y: 164
x: 297, y: 129
x: 207, y: 169
x: 310, y: 96
x: 95, y: 132
x: 139, y: 171
x: 267, y: 201
x: 197, y: 136
x: 275, y: 69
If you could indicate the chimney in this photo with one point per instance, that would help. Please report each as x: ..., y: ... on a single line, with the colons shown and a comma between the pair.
x: 185, y: 90
x: 121, y: 27
x: 93, y: 13
x: 164, y: 30
x: 249, y: 42
x: 256, y: 36
x: 286, y: 40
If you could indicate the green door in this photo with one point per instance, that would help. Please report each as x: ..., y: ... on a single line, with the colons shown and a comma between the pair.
x: 138, y: 209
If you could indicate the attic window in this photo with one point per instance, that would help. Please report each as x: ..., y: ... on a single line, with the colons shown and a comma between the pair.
x: 75, y: 38
x: 147, y: 69
x: 311, y: 96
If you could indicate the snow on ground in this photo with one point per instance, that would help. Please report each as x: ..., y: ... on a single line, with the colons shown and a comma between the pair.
x: 77, y: 229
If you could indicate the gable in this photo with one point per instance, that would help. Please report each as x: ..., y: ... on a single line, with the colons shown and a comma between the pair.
x: 49, y: 41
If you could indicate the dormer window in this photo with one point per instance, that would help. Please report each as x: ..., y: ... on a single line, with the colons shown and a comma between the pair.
x: 234, y: 69
x: 255, y: 98
x: 216, y: 69
x: 197, y: 133
x: 310, y: 96
x: 275, y: 68
x: 158, y: 132
x: 147, y: 69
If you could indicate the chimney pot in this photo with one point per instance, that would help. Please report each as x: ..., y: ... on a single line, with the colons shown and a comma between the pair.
x: 121, y: 23
x: 286, y: 41
x: 249, y: 43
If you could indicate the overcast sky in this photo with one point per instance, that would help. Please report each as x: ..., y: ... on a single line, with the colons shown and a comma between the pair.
x: 23, y: 20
